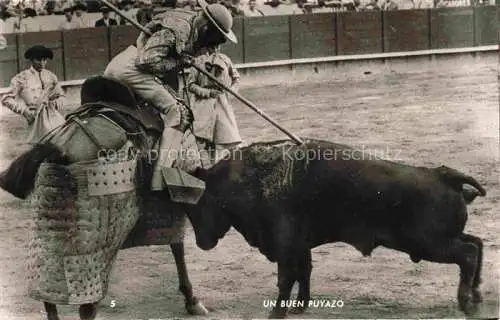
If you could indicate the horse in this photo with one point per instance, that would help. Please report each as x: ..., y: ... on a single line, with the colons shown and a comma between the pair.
x: 110, y: 116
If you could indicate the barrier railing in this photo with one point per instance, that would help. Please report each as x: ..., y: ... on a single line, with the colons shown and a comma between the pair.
x: 82, y: 53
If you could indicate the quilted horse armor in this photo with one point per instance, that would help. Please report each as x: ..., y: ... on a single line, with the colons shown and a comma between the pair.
x: 86, y: 210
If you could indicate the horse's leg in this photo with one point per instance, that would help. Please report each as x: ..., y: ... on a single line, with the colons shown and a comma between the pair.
x: 51, y: 310
x: 88, y: 311
x: 193, y: 306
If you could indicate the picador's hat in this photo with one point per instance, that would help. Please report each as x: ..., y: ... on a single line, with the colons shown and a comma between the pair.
x: 220, y: 17
x: 38, y: 52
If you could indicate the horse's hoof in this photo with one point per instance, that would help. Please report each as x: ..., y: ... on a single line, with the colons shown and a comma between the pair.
x: 477, y: 297
x: 88, y: 311
x: 277, y: 313
x: 197, y: 309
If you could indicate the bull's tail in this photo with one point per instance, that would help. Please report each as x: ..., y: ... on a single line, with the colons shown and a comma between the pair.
x: 469, y: 195
x: 19, y: 178
x: 457, y: 179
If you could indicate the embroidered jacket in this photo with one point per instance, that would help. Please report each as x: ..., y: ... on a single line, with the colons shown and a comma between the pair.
x: 173, y: 33
x: 30, y: 88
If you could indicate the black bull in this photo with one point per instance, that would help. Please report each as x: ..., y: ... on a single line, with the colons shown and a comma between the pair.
x: 285, y: 204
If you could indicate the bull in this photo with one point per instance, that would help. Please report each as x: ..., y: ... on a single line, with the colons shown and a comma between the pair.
x: 287, y: 199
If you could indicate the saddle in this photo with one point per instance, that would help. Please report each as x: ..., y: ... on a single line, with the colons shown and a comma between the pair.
x: 98, y: 92
x: 114, y: 99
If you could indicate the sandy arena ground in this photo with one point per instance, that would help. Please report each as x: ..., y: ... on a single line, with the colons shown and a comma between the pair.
x: 443, y: 114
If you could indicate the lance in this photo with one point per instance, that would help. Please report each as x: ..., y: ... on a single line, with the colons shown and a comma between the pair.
x: 211, y: 77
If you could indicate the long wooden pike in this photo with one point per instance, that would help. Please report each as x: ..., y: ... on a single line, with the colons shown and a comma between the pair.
x: 212, y: 78
x: 118, y: 12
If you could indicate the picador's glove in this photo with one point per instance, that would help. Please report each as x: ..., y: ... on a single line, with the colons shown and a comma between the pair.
x: 186, y: 60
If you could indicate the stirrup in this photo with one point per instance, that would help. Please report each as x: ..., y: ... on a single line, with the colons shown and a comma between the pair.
x: 182, y: 186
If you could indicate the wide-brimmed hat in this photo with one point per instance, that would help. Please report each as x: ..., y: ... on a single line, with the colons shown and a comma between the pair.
x: 38, y: 52
x: 104, y: 9
x: 220, y: 17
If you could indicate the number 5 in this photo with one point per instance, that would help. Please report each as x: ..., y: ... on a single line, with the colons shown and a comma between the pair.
x: 112, y: 304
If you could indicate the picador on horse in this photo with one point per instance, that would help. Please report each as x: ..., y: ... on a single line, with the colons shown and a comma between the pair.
x: 150, y: 68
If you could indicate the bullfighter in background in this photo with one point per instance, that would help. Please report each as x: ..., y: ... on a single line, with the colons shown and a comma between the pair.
x: 36, y: 94
x: 214, y: 125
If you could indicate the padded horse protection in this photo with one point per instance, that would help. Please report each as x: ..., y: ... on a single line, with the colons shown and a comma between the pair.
x: 85, y: 212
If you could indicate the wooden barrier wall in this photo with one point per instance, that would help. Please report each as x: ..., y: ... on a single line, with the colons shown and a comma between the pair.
x: 406, y: 30
x: 266, y: 38
x: 85, y: 52
x: 313, y: 36
x: 9, y: 60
